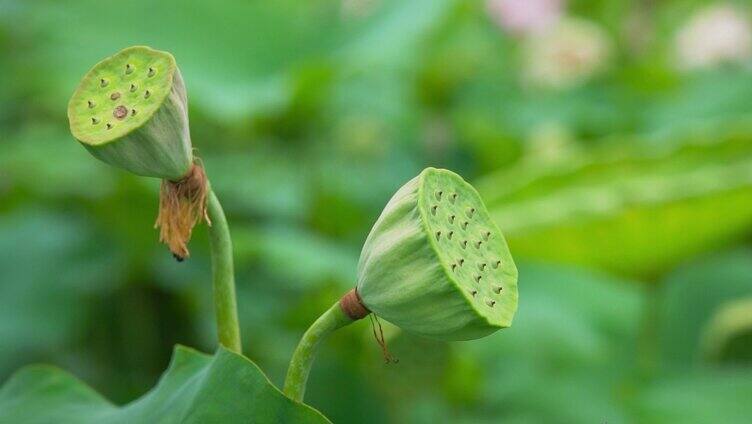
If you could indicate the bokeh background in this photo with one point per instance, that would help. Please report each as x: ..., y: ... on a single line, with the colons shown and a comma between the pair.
x: 612, y: 141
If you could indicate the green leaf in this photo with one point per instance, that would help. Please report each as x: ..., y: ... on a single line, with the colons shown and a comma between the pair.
x: 637, y: 211
x: 197, y: 388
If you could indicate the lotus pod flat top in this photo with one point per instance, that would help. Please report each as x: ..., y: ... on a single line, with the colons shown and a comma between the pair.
x: 470, y: 246
x: 120, y: 94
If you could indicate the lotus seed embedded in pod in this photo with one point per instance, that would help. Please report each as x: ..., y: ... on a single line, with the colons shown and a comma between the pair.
x: 436, y: 264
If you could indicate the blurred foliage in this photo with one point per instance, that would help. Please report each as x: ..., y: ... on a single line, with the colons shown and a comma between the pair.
x: 637, y: 211
x: 308, y: 116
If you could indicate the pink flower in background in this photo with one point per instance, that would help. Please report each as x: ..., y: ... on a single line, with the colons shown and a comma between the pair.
x: 525, y: 16
x: 567, y: 54
x: 716, y: 34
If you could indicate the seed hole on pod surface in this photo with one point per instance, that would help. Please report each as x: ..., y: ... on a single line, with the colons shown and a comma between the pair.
x: 477, y: 244
x: 115, y: 95
x: 151, y: 72
x: 109, y: 126
x: 490, y: 302
x: 482, y: 266
x: 486, y: 235
x: 497, y: 289
x: 473, y: 292
x: 91, y: 104
x: 454, y: 267
x: 128, y: 68
x: 464, y: 225
x: 438, y: 194
x: 453, y: 197
x: 463, y: 243
x: 451, y: 219
x: 133, y: 112
x: 94, y: 121
x: 103, y: 82
x: 496, y: 264
x: 438, y: 235
x: 450, y: 234
x: 133, y: 88
x: 470, y: 212
x: 433, y: 209
x: 461, y: 262
x: 477, y: 278
x: 147, y: 93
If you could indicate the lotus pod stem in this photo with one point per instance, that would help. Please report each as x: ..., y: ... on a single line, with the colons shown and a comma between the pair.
x: 223, y: 276
x: 302, y: 360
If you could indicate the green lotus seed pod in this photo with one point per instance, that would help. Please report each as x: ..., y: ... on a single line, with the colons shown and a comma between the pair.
x: 131, y: 111
x: 435, y: 264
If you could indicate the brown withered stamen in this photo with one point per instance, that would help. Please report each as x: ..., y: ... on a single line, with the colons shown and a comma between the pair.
x: 182, y: 205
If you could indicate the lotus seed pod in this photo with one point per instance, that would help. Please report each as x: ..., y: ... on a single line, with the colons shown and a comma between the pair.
x: 435, y: 264
x: 131, y: 111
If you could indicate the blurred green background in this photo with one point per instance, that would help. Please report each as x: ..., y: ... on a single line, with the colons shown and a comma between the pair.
x: 612, y: 141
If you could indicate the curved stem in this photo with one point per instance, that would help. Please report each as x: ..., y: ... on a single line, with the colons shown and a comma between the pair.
x: 223, y: 276
x: 302, y: 359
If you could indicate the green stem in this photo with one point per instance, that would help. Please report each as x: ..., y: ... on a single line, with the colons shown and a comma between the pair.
x: 223, y: 276
x: 302, y: 359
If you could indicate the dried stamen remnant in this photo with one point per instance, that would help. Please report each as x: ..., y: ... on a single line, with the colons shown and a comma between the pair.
x: 120, y: 112
x: 115, y: 95
x: 182, y: 205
